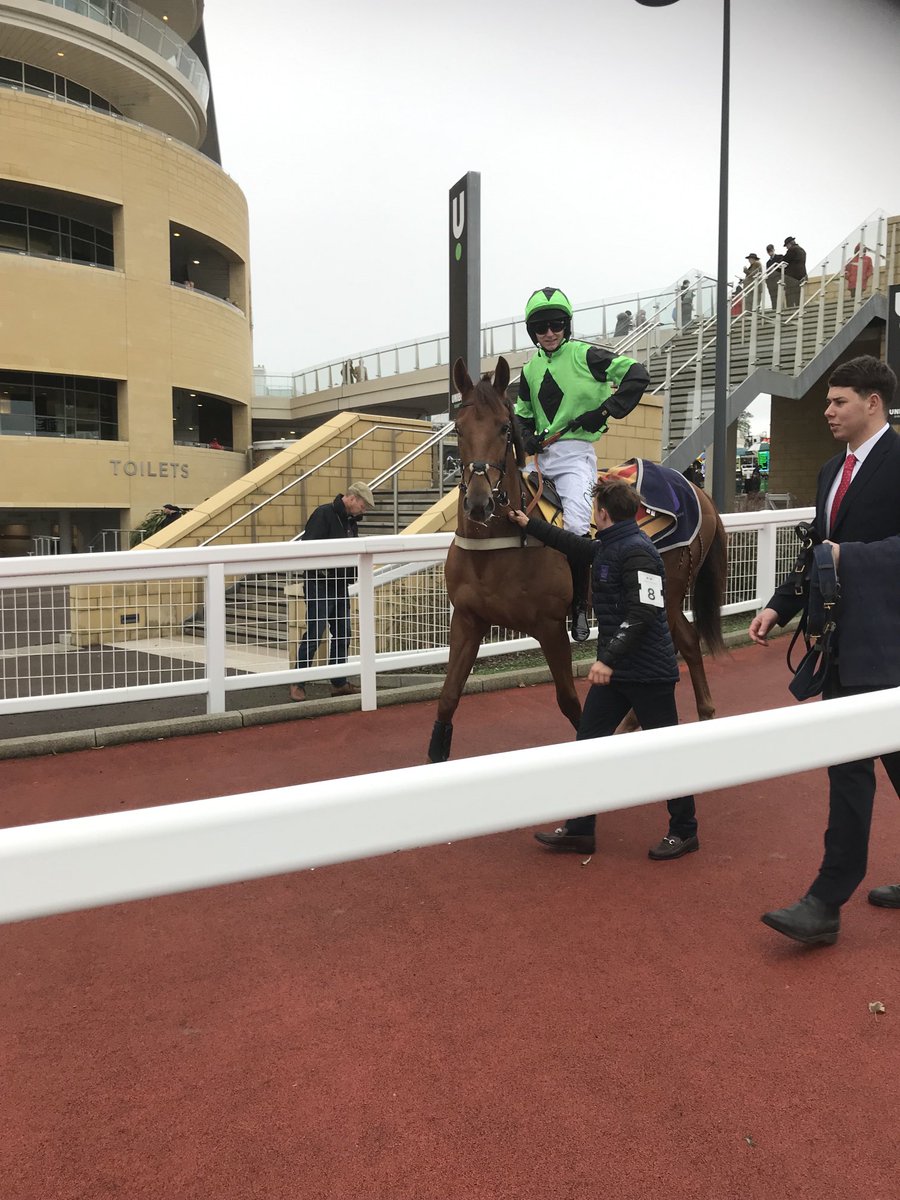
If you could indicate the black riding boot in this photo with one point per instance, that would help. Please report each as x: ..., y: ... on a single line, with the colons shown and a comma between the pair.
x: 581, y: 579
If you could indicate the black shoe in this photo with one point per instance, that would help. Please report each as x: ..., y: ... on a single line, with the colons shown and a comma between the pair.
x: 578, y: 843
x: 886, y: 897
x: 673, y: 846
x: 810, y: 921
x: 581, y: 630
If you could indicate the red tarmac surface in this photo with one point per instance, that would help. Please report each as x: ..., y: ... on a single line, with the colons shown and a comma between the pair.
x: 478, y: 1021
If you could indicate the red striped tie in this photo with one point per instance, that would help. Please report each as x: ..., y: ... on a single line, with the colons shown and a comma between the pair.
x: 847, y: 475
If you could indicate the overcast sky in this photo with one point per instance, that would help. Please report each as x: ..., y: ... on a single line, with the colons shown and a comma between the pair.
x: 594, y: 124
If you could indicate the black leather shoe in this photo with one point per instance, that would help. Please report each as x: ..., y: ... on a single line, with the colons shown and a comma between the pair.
x: 578, y: 843
x: 581, y: 630
x: 886, y: 897
x: 673, y: 847
x: 810, y: 921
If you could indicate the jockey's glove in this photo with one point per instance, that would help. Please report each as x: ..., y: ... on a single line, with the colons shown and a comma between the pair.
x: 592, y: 422
x: 533, y: 443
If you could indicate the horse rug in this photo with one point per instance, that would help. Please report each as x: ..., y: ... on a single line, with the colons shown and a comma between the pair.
x: 670, y: 508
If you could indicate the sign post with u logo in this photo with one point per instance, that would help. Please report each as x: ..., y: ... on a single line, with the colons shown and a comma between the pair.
x: 465, y: 275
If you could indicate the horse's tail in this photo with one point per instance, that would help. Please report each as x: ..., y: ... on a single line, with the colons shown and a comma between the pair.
x: 708, y: 592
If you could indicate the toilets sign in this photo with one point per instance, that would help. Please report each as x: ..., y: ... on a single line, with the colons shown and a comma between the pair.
x: 136, y: 469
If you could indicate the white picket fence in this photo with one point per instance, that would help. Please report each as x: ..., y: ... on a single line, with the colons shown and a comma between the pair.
x: 42, y: 668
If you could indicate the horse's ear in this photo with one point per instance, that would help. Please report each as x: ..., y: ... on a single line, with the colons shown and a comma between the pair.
x: 501, y: 376
x: 461, y: 377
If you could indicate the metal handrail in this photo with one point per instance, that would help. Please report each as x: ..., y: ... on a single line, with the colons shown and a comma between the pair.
x: 295, y: 383
x: 306, y: 475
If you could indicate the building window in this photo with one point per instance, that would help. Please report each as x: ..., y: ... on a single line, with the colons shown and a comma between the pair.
x: 200, y: 264
x: 26, y: 78
x: 200, y: 419
x: 69, y: 406
x: 51, y: 224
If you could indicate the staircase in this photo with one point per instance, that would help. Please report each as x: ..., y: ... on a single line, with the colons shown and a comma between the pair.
x: 410, y: 504
x: 771, y: 350
x: 255, y: 612
x: 256, y: 608
x: 783, y: 352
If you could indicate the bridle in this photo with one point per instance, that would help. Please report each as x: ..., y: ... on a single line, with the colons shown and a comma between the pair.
x: 469, y: 470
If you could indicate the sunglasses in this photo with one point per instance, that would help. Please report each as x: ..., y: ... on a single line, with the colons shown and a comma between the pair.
x: 544, y: 326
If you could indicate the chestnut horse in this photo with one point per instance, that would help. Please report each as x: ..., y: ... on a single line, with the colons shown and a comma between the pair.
x: 493, y: 579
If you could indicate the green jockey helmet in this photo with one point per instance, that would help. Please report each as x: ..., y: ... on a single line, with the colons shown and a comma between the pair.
x: 548, y: 303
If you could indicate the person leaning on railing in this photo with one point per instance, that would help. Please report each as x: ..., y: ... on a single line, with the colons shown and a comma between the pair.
x: 568, y: 391
x: 326, y: 590
x: 860, y: 262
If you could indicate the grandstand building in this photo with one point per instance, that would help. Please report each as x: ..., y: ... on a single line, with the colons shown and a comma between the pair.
x: 125, y: 360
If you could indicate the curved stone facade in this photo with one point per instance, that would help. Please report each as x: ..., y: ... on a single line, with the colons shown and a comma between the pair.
x: 135, y: 324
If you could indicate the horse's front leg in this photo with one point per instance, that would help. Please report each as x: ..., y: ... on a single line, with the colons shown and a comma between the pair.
x: 466, y: 632
x: 687, y: 643
x: 554, y: 642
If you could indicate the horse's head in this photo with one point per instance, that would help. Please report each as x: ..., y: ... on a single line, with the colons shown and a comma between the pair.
x: 488, y: 448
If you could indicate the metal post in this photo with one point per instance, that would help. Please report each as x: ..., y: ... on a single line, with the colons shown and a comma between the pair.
x: 721, y: 472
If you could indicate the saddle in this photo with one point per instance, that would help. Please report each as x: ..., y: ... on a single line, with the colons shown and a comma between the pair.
x: 669, y: 513
x: 549, y: 505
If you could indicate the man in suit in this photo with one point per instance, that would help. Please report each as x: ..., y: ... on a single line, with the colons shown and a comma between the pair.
x: 858, y: 513
x: 794, y: 259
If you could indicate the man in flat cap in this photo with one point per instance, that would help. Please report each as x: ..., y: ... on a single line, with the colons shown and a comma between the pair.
x: 327, y: 588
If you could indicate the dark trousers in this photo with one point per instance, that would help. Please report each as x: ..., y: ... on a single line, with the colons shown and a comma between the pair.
x: 851, y: 796
x: 327, y: 603
x: 791, y: 292
x: 654, y: 707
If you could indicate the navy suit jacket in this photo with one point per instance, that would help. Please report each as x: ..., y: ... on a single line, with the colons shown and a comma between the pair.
x: 869, y: 627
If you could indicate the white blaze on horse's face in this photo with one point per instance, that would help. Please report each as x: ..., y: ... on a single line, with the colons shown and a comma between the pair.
x: 484, y: 437
x: 484, y: 434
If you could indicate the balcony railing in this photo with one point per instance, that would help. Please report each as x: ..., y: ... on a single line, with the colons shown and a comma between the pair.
x: 134, y: 22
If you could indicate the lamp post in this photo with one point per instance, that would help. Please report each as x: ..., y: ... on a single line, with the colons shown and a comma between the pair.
x: 721, y: 474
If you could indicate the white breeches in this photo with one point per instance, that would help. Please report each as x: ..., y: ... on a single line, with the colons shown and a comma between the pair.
x: 572, y: 465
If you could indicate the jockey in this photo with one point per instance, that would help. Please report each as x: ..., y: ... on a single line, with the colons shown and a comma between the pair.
x: 568, y: 392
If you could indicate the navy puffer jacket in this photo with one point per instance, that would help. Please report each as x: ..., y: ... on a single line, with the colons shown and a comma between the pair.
x: 629, y: 598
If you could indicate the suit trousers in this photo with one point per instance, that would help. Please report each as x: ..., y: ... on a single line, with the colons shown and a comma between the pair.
x: 851, y: 797
x: 654, y: 707
x: 327, y: 603
x: 791, y: 292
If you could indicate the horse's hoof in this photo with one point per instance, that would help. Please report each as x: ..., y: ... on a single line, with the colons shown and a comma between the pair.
x: 439, y: 746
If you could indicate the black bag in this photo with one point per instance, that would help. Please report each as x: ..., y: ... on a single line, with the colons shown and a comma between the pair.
x: 818, y: 627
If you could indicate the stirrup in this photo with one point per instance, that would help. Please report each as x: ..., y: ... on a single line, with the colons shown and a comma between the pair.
x: 581, y: 629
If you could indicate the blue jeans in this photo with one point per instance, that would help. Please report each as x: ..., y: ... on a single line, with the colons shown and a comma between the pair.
x: 327, y: 603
